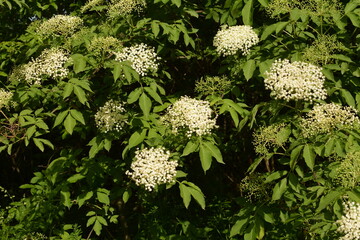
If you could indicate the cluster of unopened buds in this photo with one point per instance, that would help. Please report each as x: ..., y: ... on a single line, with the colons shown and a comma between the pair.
x: 110, y: 117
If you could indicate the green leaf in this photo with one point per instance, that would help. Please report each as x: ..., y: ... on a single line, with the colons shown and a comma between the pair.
x: 348, y: 97
x: 126, y: 195
x: 327, y: 199
x: 30, y: 131
x: 247, y: 13
x: 69, y: 124
x: 79, y: 62
x: 280, y: 26
x: 275, y: 175
x: 205, y: 157
x: 75, y: 178
x: 329, y: 147
x: 249, y: 68
x: 309, y: 156
x: 238, y: 226
x: 279, y: 189
x: 97, y: 227
x: 77, y: 115
x: 153, y: 94
x: 155, y: 28
x: 295, y: 153
x: 65, y: 198
x: 103, y: 196
x: 136, y: 138
x: 134, y: 95
x: 117, y: 71
x: 190, y: 148
x: 39, y: 144
x: 145, y: 104
x: 215, y: 151
x: 176, y: 2
x: 68, y: 89
x: 185, y: 194
x: 79, y: 92
x: 268, y: 31
x: 82, y: 198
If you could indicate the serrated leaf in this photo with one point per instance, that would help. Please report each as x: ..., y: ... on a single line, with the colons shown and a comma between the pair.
x: 185, y: 194
x: 39, y: 144
x: 75, y: 178
x: 327, y: 199
x: 80, y: 93
x: 97, y: 227
x: 69, y: 124
x: 309, y: 156
x: 205, y: 158
x: 279, y: 189
x: 103, y: 196
x: 68, y: 89
x: 65, y: 198
x: 190, y: 148
x: 153, y: 94
x: 82, y: 198
x: 237, y: 227
x: 215, y: 151
x: 249, y: 68
x: 247, y: 13
x: 155, y: 28
x: 77, y: 115
x: 60, y: 118
x: 145, y: 104
x: 79, y: 62
x: 134, y: 95
x: 136, y: 138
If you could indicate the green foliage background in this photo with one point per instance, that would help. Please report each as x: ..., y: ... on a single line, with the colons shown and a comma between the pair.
x: 64, y: 179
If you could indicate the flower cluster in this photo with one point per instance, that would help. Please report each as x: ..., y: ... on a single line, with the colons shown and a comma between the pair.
x: 273, y: 136
x: 143, y: 58
x: 347, y: 174
x: 229, y: 40
x: 101, y: 45
x: 322, y: 49
x: 192, y: 114
x: 253, y: 187
x: 218, y: 86
x: 50, y: 63
x: 110, y: 117
x: 295, y: 81
x: 60, y: 25
x: 90, y: 4
x: 5, y: 98
x: 349, y: 224
x: 125, y: 7
x: 325, y: 118
x: 152, y: 167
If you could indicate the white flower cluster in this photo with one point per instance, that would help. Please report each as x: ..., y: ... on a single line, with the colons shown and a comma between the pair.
x: 152, y: 167
x: 192, y: 114
x: 125, y: 7
x: 110, y: 116
x: 229, y: 40
x: 50, y: 64
x: 325, y: 118
x: 142, y: 57
x: 5, y: 98
x: 60, y: 25
x: 295, y: 81
x: 349, y: 224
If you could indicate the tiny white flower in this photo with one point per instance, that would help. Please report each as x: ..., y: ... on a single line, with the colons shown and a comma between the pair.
x: 349, y: 224
x: 60, y: 25
x: 110, y: 117
x: 5, y: 98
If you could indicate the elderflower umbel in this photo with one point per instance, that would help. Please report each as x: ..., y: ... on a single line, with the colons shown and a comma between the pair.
x: 110, y: 117
x: 347, y: 174
x: 325, y: 118
x: 5, y: 98
x: 192, y: 114
x: 295, y: 81
x: 229, y: 40
x: 274, y: 136
x: 125, y: 7
x: 142, y: 57
x: 90, y: 4
x: 60, y: 25
x: 101, y: 45
x: 349, y: 224
x: 50, y: 63
x: 152, y: 167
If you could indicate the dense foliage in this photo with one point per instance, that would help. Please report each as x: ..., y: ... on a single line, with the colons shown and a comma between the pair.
x: 180, y: 119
